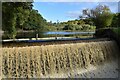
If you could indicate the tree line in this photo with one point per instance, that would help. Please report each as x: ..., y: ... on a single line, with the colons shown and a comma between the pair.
x: 20, y: 16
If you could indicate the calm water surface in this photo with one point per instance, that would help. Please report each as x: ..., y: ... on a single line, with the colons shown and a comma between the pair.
x: 67, y: 33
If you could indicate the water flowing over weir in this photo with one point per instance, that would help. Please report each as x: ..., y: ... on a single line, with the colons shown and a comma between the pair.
x: 56, y: 60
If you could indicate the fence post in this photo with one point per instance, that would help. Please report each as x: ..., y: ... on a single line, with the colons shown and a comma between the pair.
x: 36, y: 36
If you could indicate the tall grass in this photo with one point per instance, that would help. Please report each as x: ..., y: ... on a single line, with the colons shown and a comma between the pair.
x: 47, y: 60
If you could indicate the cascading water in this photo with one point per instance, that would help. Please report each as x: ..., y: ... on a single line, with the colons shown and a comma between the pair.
x: 55, y: 60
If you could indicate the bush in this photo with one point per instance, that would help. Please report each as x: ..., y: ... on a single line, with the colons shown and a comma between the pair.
x: 69, y: 27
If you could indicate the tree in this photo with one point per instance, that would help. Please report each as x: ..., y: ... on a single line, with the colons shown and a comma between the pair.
x: 23, y: 14
x: 14, y: 14
x: 69, y: 27
x: 88, y: 21
x: 115, y: 21
x: 101, y: 16
x: 118, y: 18
x: 80, y: 22
x: 35, y: 21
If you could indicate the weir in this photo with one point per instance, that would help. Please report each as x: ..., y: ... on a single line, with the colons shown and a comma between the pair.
x: 59, y: 60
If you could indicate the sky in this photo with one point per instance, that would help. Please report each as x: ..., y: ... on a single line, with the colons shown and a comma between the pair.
x: 64, y: 11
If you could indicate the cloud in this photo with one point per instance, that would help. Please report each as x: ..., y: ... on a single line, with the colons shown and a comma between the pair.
x: 74, y: 14
x: 112, y: 5
x: 76, y: 0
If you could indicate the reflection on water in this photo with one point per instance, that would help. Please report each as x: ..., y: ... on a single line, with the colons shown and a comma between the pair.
x: 47, y: 34
x: 67, y: 33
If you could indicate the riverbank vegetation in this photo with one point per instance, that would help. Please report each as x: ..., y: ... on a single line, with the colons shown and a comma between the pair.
x: 20, y: 17
x: 117, y: 31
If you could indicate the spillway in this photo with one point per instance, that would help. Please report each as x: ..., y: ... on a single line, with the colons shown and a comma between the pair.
x: 58, y: 60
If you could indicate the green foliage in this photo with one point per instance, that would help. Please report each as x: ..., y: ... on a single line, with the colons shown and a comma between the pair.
x: 116, y: 20
x: 49, y: 28
x: 69, y: 27
x: 88, y: 21
x: 14, y: 14
x: 103, y: 20
x: 85, y: 27
x: 117, y: 31
x: 101, y: 16
x: 22, y: 16
x: 35, y: 21
x: 19, y: 16
x: 77, y: 25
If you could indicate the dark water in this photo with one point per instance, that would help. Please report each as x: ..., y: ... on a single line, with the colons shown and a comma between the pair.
x: 48, y: 34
